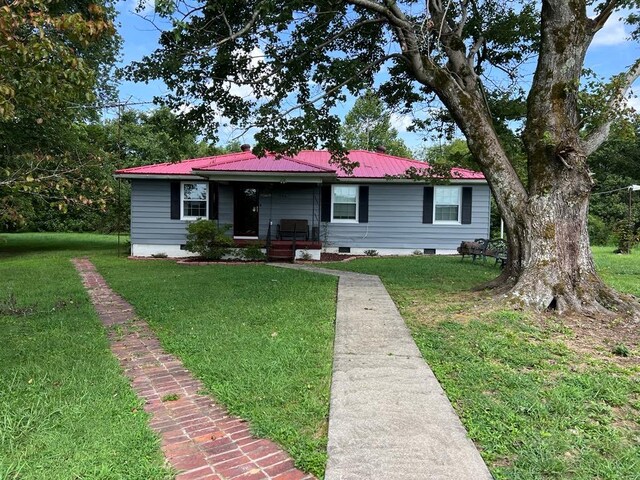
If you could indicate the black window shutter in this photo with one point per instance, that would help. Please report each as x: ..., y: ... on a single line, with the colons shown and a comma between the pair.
x: 467, y: 193
x: 213, y: 201
x: 363, y: 205
x: 427, y: 205
x: 325, y: 206
x: 175, y: 200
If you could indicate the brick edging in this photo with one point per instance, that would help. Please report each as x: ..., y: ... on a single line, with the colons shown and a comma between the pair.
x: 199, y: 438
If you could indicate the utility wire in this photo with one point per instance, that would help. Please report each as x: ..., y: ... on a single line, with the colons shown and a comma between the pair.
x: 611, y: 191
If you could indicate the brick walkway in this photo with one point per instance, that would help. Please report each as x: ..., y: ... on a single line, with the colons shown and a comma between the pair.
x: 199, y: 438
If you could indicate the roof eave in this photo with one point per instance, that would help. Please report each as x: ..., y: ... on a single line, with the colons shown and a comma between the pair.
x: 407, y: 180
x: 157, y: 176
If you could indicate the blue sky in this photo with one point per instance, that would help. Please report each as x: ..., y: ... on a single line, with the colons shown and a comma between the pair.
x: 610, y: 53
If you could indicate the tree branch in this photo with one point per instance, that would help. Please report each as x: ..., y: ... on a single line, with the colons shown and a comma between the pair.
x: 604, y: 15
x: 337, y: 87
x: 247, y: 26
x: 600, y: 133
x: 405, y: 31
x: 463, y: 19
x: 474, y: 50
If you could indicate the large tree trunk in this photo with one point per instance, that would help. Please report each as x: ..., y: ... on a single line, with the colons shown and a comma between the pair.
x: 551, y: 265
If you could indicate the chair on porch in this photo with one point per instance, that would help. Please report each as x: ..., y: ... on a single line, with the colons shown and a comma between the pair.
x: 291, y: 229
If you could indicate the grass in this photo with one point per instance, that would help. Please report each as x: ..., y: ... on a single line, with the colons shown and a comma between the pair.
x: 260, y: 339
x: 620, y: 271
x: 535, y: 406
x: 66, y: 411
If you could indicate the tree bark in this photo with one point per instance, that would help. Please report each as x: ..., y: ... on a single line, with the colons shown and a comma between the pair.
x: 550, y: 265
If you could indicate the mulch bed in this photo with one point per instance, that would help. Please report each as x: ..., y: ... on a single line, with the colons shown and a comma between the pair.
x: 324, y: 257
x: 200, y: 261
x: 337, y: 257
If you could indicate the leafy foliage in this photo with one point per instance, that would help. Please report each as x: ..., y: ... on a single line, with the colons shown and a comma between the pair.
x: 144, y: 138
x: 599, y: 233
x: 368, y: 125
x: 253, y: 253
x: 457, y: 62
x: 615, y: 167
x: 207, y: 239
x: 54, y: 61
x: 52, y: 51
x: 73, y: 189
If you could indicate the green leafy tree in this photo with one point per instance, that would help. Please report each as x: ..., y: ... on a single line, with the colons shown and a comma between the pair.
x: 368, y: 125
x: 451, y: 154
x: 300, y: 58
x: 51, y: 55
x: 143, y: 138
x: 615, y: 168
x: 54, y: 60
x: 73, y: 189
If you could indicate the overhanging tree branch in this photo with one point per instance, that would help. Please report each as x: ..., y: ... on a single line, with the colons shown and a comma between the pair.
x: 604, y: 15
x: 600, y: 133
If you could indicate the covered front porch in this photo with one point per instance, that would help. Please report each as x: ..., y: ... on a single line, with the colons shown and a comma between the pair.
x: 283, y: 218
x: 273, y: 201
x: 268, y: 211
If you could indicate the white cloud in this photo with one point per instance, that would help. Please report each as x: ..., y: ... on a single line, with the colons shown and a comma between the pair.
x: 612, y: 33
x: 237, y: 87
x: 400, y: 122
x: 634, y: 102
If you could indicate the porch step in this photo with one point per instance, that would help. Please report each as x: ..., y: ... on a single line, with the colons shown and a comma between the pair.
x: 281, y: 252
x: 280, y: 258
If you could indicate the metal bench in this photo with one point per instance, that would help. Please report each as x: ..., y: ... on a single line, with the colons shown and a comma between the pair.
x: 292, y: 229
x: 473, y: 249
x: 481, y: 247
x: 498, y: 249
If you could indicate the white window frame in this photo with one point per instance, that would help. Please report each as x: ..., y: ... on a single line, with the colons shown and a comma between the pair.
x: 182, y: 200
x: 346, y: 220
x: 435, y: 204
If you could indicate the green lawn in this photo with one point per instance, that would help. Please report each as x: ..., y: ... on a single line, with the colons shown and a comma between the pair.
x: 260, y: 338
x: 535, y: 407
x: 620, y: 271
x: 66, y: 411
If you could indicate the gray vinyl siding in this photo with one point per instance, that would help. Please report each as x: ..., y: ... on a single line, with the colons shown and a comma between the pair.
x: 225, y: 205
x: 295, y: 202
x: 395, y: 217
x: 395, y: 221
x: 151, y: 221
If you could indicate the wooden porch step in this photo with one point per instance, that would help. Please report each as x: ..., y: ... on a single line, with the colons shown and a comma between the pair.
x: 280, y: 258
x: 280, y: 252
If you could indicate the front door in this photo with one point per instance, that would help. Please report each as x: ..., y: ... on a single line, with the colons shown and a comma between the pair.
x: 245, y: 212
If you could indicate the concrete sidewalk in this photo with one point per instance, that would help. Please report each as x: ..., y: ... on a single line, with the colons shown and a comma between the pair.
x: 389, y: 417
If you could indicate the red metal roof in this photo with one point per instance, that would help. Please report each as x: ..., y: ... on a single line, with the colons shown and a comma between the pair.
x: 371, y: 165
x: 268, y: 163
x: 378, y: 165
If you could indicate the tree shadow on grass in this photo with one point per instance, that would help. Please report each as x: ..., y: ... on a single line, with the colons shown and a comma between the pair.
x: 15, y: 244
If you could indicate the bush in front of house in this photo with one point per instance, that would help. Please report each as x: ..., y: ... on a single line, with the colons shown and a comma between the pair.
x: 253, y: 253
x: 208, y: 239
